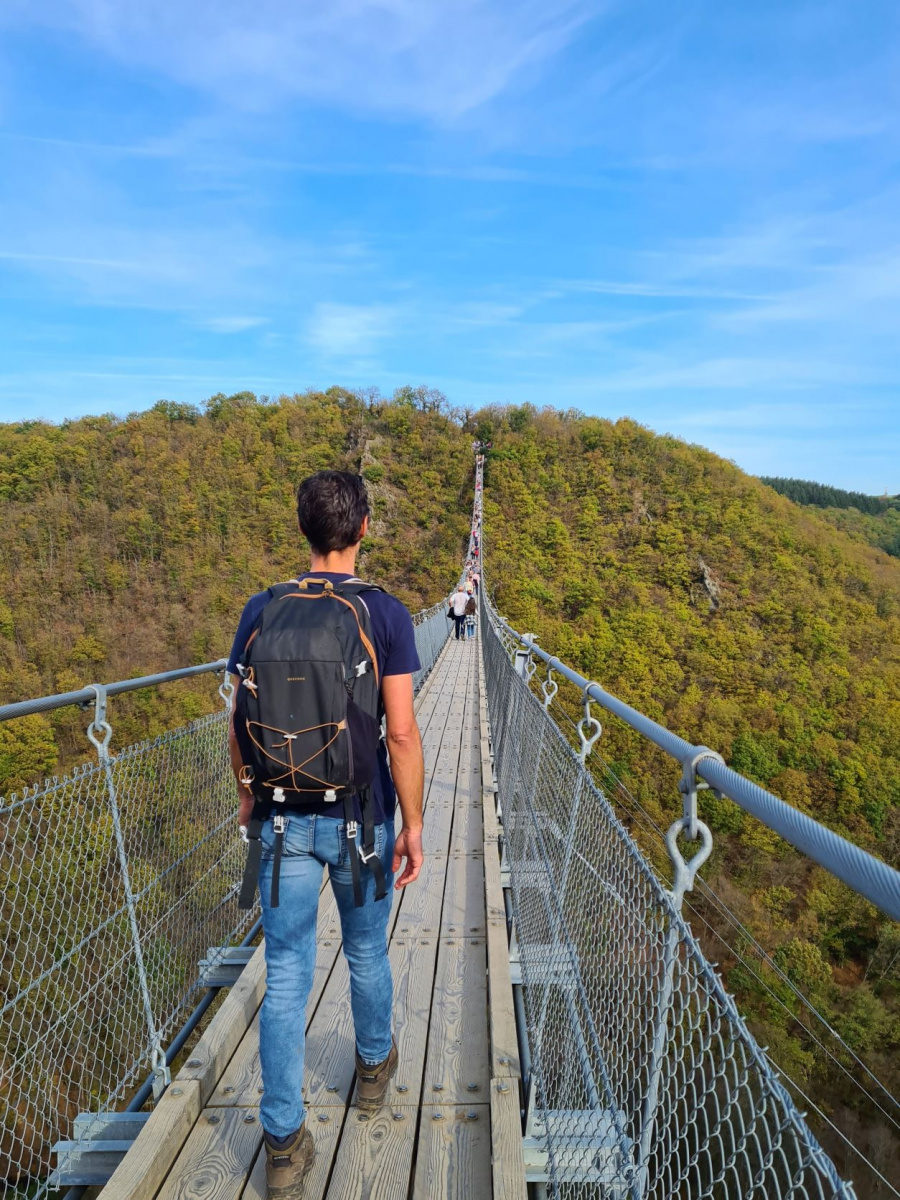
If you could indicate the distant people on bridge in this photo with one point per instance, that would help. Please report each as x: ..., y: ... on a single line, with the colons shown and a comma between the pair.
x: 458, y: 601
x: 476, y: 580
x: 294, y: 831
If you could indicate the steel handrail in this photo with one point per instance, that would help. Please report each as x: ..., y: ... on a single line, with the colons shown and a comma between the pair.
x: 87, y: 695
x: 865, y: 874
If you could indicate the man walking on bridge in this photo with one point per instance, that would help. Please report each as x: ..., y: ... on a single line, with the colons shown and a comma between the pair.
x: 294, y: 842
x: 457, y: 602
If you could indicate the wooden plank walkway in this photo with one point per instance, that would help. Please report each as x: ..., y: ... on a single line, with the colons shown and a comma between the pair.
x: 450, y: 1127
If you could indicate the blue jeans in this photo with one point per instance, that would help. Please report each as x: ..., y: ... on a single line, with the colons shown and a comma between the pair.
x: 290, y: 930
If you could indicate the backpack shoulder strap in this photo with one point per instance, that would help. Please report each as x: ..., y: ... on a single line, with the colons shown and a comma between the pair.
x: 358, y: 586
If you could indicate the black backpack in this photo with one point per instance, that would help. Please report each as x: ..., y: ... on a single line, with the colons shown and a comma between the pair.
x: 308, y: 716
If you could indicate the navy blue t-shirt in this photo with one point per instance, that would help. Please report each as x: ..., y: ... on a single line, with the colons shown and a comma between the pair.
x: 395, y: 646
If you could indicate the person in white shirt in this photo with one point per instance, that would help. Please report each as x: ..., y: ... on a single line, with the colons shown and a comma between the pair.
x: 457, y: 602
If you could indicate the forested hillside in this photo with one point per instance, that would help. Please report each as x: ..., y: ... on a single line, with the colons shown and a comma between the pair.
x: 871, y: 519
x: 129, y: 546
x: 744, y: 622
x: 691, y: 590
x: 805, y: 491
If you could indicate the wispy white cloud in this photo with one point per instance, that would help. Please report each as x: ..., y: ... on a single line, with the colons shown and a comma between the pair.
x: 83, y: 240
x: 71, y: 260
x: 231, y: 324
x: 410, y: 56
x: 353, y: 331
x: 653, y: 290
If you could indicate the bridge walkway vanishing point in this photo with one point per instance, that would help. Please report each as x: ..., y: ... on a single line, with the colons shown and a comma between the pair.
x: 451, y: 1124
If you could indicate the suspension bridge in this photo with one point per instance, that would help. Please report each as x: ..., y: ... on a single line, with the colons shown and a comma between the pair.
x: 560, y: 1030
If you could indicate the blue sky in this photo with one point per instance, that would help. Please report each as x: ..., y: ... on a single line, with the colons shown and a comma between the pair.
x: 684, y: 213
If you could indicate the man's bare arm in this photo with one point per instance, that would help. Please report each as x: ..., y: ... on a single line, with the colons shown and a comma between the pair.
x: 245, y: 796
x: 407, y: 771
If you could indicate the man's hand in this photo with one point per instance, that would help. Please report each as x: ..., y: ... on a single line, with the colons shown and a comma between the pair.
x: 245, y: 796
x: 409, y: 846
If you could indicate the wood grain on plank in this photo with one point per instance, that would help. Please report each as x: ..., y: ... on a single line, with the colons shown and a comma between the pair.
x: 453, y: 1156
x: 328, y: 921
x: 374, y: 1157
x: 456, y: 1066
x: 141, y: 1172
x: 468, y: 831
x: 507, y: 1163
x: 217, y: 1158
x: 463, y: 913
x: 495, y: 907
x: 504, y: 1043
x: 227, y: 1028
x: 489, y: 816
x: 241, y: 1082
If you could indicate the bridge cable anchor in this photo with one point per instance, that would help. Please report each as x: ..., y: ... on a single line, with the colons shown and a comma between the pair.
x: 690, y: 785
x: 226, y: 690
x: 99, y: 731
x: 686, y: 871
x: 588, y: 722
x: 690, y: 824
x: 549, y: 688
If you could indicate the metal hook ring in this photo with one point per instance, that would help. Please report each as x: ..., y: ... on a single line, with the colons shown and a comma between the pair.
x: 685, y: 872
x: 549, y: 687
x: 99, y: 731
x: 588, y: 743
x: 588, y: 721
x: 226, y: 689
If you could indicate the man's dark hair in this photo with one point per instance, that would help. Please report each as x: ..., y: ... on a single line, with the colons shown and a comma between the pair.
x: 331, y: 506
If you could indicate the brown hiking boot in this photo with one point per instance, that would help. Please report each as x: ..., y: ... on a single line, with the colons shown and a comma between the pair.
x: 373, y: 1081
x: 287, y: 1166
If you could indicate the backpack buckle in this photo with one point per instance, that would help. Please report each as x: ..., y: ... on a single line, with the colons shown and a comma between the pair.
x: 278, y: 795
x: 330, y: 796
x: 373, y: 853
x: 279, y: 821
x: 352, y: 830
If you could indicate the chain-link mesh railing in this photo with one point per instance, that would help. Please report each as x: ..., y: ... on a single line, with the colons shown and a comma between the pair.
x: 118, y: 878
x: 646, y: 1081
x: 432, y: 629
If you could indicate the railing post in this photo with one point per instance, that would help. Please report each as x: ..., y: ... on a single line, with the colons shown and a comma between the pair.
x: 99, y: 732
x: 523, y: 661
x: 685, y: 873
